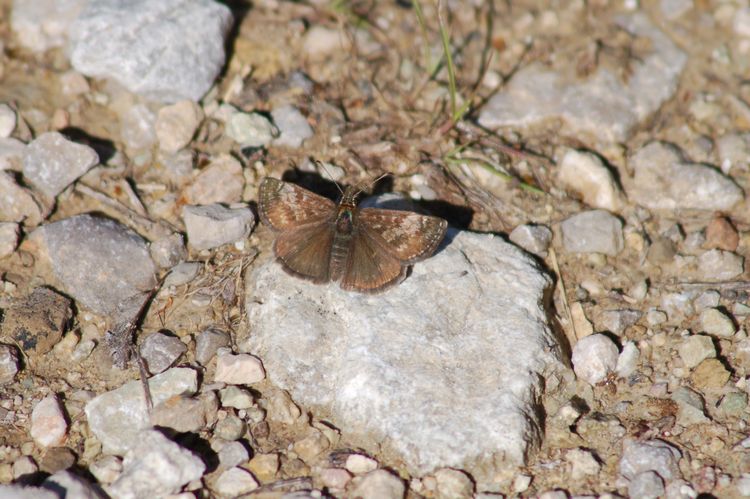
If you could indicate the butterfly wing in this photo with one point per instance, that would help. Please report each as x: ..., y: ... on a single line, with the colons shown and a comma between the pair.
x: 370, y: 268
x: 306, y: 251
x: 283, y: 206
x: 407, y: 236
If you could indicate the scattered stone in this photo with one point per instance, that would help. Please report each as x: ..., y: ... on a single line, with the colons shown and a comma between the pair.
x: 581, y: 323
x: 24, y: 465
x: 594, y: 357
x: 43, y: 24
x: 521, y: 483
x: 556, y: 494
x: 627, y: 362
x: 585, y: 174
x: 155, y: 466
x: 48, y: 425
x: 690, y: 404
x: 168, y: 252
x: 235, y: 482
x: 230, y: 428
x: 101, y: 263
x: 161, y: 351
x: 57, y: 459
x: 664, y: 181
x: 320, y: 42
x: 733, y: 404
x: 9, y: 232
x: 176, y: 124
x: 293, y: 126
x: 37, y: 322
x: 51, y: 162
x: 616, y: 321
x: 741, y: 22
x: 182, y: 273
x: 281, y: 407
x: 743, y: 485
x: 312, y: 446
x: 265, y: 466
x: 378, y: 484
x: 661, y: 252
x: 213, y: 225
x: 250, y: 129
x: 106, y: 469
x: 208, y: 342
x: 453, y: 484
x: 649, y: 455
x: 18, y: 204
x: 709, y: 375
x: 236, y: 397
x: 7, y: 120
x: 716, y: 265
x: 734, y: 151
x: 231, y: 454
x: 11, y: 153
x: 533, y: 238
x: 180, y: 413
x: 695, y: 349
x: 137, y: 124
x: 293, y: 326
x: 124, y: 41
x: 73, y: 84
x: 582, y: 464
x: 220, y: 182
x: 646, y: 485
x: 654, y: 317
x: 716, y: 323
x: 595, y: 231
x: 335, y: 479
x: 8, y: 364
x: 707, y: 299
x: 612, y: 106
x: 359, y: 464
x: 721, y: 234
x: 106, y: 412
x: 242, y: 369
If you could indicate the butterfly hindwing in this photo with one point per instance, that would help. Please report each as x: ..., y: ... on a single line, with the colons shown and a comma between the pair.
x: 370, y: 268
x: 282, y: 205
x: 305, y: 251
x: 408, y: 236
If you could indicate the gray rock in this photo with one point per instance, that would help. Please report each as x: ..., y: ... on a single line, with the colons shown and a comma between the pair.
x: 250, y: 129
x: 18, y: 204
x: 646, y: 485
x: 8, y: 363
x: 649, y: 455
x: 221, y: 181
x: 234, y: 482
x: 106, y: 412
x: 232, y: 454
x: 236, y: 397
x: 595, y: 231
x: 627, y: 362
x: 51, y: 162
x: 11, y: 153
x: 7, y: 120
x: 230, y: 428
x: 330, y: 348
x: 665, y: 181
x: 43, y: 24
x: 37, y: 322
x: 585, y: 174
x: 293, y: 126
x: 715, y: 323
x: 695, y: 349
x: 615, y: 321
x: 9, y: 232
x: 242, y: 369
x: 161, y: 351
x: 155, y: 466
x: 707, y: 299
x: 66, y: 484
x: 603, y: 106
x: 106, y: 469
x: 101, y: 263
x: 533, y: 238
x: 690, y: 405
x: 168, y: 251
x: 378, y: 484
x: 208, y: 342
x: 214, y: 225
x: 168, y: 50
x: 718, y: 265
x: 137, y: 123
x: 182, y: 273
x: 594, y: 357
x: 176, y: 124
x: 48, y: 425
x: 181, y: 414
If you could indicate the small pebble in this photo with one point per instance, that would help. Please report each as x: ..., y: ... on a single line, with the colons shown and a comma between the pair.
x: 521, y: 483
x: 335, y: 479
x: 695, y: 349
x: 161, y: 351
x: 250, y: 129
x: 18, y: 204
x: 616, y: 321
x: 715, y: 323
x: 594, y: 357
x: 182, y: 273
x: 168, y: 251
x: 312, y: 446
x: 176, y: 124
x: 707, y: 299
x: 721, y: 234
x: 265, y: 466
x: 627, y: 362
x: 378, y: 484
x: 230, y: 428
x: 709, y: 375
x: 7, y: 120
x: 717, y: 265
x: 646, y: 485
x: 235, y: 482
x: 214, y: 225
x: 57, y: 459
x: 180, y: 413
x: 293, y: 126
x: 208, y: 342
x: 48, y: 425
x: 595, y: 231
x: 222, y: 181
x: 582, y: 463
x: 106, y: 469
x: 533, y: 238
x: 649, y: 455
x: 232, y: 454
x: 690, y: 404
x: 741, y: 22
x: 8, y: 363
x: 236, y: 397
x: 358, y: 464
x: 453, y: 484
x: 733, y: 404
x: 553, y: 494
x: 586, y: 175
x: 37, y: 322
x: 321, y: 42
x: 241, y: 369
x: 581, y: 323
x: 742, y: 484
x: 11, y: 153
x: 24, y: 465
x: 655, y: 317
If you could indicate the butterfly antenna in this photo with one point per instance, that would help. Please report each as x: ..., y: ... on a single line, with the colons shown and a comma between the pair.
x: 381, y: 177
x: 328, y: 172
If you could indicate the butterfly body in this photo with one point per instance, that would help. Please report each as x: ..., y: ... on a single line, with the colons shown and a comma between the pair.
x: 366, y: 250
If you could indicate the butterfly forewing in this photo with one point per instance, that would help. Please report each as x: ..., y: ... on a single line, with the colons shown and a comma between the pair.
x: 408, y: 236
x: 304, y: 252
x: 370, y: 269
x: 283, y: 206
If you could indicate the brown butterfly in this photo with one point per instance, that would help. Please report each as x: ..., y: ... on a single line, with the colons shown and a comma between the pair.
x: 367, y: 249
